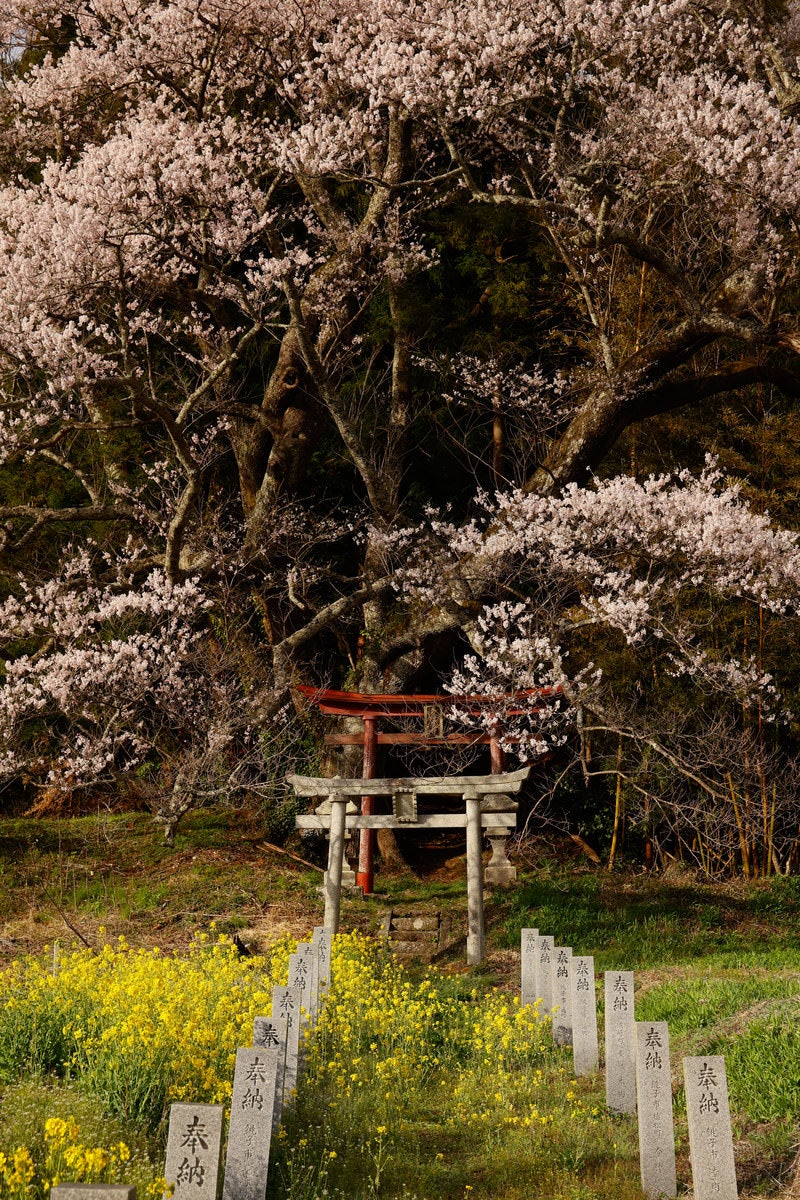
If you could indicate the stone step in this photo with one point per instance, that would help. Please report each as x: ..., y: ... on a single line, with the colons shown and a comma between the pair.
x: 414, y: 935
x: 417, y: 950
x: 415, y: 922
x: 421, y: 936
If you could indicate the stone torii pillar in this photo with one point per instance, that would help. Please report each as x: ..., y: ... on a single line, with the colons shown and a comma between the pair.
x: 475, y: 932
x: 333, y: 877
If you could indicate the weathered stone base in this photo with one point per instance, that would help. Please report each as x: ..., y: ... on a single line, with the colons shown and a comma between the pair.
x: 499, y: 871
x: 421, y: 936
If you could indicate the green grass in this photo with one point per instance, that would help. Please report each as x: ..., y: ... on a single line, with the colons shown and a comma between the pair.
x: 698, y: 1004
x: 763, y: 1063
x: 643, y: 923
x: 427, y: 1158
x: 25, y: 1106
x: 113, y: 870
x: 720, y: 963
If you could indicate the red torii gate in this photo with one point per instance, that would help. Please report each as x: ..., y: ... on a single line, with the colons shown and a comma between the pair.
x: 430, y: 709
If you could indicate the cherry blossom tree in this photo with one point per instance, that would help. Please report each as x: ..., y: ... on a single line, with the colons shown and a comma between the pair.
x: 649, y: 565
x: 218, y: 259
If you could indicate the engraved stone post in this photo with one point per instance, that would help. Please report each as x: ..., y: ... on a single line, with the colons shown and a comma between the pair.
x: 333, y: 876
x: 710, y: 1136
x: 300, y: 976
x: 620, y: 1042
x: 250, y: 1128
x: 544, y: 971
x: 527, y: 961
x: 286, y: 1003
x: 271, y: 1033
x: 474, y: 880
x: 584, y: 1016
x: 194, y: 1146
x: 654, y: 1104
x: 562, y: 996
x: 322, y: 940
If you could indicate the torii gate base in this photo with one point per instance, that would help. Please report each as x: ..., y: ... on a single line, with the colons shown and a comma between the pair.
x: 487, y: 801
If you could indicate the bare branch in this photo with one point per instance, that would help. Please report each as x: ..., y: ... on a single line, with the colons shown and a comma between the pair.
x: 89, y: 512
x: 217, y: 373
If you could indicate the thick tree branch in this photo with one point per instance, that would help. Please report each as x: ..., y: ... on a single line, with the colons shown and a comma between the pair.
x: 216, y: 374
x: 177, y: 527
x: 681, y: 392
x: 41, y: 517
x: 644, y: 252
x: 283, y: 650
x: 622, y: 400
x: 75, y: 471
x: 89, y: 512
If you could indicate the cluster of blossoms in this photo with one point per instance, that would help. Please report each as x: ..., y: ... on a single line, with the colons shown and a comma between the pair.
x: 82, y: 1162
x: 686, y: 530
x: 66, y: 1158
x: 506, y: 388
x: 17, y: 1171
x: 521, y: 675
x: 386, y: 1041
x: 620, y: 555
x: 139, y: 1028
x: 178, y: 180
x: 91, y: 643
x: 185, y: 182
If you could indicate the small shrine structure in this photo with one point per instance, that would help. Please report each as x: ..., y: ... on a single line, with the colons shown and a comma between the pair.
x: 489, y: 804
x: 429, y: 711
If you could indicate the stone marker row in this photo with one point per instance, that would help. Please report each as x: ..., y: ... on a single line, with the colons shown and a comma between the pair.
x: 638, y: 1072
x: 563, y: 984
x: 638, y: 1079
x: 266, y: 1076
x: 707, y: 1110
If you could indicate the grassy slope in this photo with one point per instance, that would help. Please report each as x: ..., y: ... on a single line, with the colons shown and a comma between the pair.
x: 721, y: 964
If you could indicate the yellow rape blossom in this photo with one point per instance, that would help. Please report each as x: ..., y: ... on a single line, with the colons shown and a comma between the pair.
x: 65, y: 1157
x: 139, y: 1028
x: 143, y: 1028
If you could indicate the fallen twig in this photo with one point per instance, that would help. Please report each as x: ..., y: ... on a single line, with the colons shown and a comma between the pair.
x: 66, y: 919
x: 296, y: 857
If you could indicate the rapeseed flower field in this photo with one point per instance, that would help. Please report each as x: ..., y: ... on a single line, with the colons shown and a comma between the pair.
x: 137, y: 1027
x: 436, y: 1064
